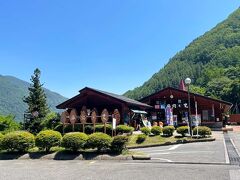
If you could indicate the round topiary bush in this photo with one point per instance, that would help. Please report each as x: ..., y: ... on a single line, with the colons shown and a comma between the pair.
x: 100, y: 128
x: 20, y: 141
x: 47, y: 139
x: 168, y: 130
x: 99, y: 140
x: 141, y: 138
x: 119, y: 143
x: 156, y: 130
x: 124, y: 129
x: 74, y: 141
x: 146, y: 130
x: 183, y: 130
x: 203, y: 131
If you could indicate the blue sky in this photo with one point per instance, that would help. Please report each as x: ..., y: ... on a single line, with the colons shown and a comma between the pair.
x: 113, y: 45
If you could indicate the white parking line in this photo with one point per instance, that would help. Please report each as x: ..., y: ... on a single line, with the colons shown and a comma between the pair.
x: 235, y: 147
x: 174, y: 147
x: 168, y: 160
x: 184, y: 152
x: 225, y: 152
x: 160, y: 150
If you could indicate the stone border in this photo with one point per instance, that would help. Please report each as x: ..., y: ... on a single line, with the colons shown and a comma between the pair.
x: 172, y: 143
x: 62, y: 156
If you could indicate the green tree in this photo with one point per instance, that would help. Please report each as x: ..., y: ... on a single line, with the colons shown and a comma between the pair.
x: 7, y: 123
x: 37, y: 104
x: 51, y: 120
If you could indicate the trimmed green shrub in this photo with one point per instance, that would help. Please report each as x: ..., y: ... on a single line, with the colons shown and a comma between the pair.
x: 124, y: 129
x: 74, y: 141
x: 156, y: 130
x: 145, y: 130
x: 99, y: 140
x: 47, y: 139
x: 1, y: 138
x: 168, y: 130
x: 183, y: 130
x: 141, y: 138
x: 100, y: 128
x: 119, y: 143
x: 88, y: 129
x: 203, y: 131
x: 20, y: 141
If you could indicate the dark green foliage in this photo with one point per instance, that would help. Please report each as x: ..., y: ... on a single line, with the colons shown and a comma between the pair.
x: 100, y: 128
x: 7, y: 124
x: 99, y: 141
x: 67, y: 128
x: 156, y: 130
x: 88, y: 129
x: 51, y: 120
x: 59, y: 128
x: 168, y: 130
x: 145, y: 130
x: 119, y: 143
x: 19, y: 141
x: 124, y: 129
x: 74, y: 141
x: 1, y: 138
x: 203, y: 131
x: 12, y: 91
x: 47, y: 139
x: 212, y: 61
x: 183, y: 130
x: 141, y: 138
x: 36, y: 101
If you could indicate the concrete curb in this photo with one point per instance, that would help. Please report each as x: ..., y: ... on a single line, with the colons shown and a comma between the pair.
x: 63, y: 156
x: 182, y: 162
x: 141, y: 157
x: 172, y: 143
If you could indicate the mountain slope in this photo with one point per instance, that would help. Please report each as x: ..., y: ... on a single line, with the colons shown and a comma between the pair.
x: 212, y: 61
x: 12, y: 91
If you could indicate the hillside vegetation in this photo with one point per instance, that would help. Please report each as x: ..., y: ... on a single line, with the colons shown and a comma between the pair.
x: 12, y: 91
x: 212, y: 61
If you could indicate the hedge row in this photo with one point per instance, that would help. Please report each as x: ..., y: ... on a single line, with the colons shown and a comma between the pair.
x: 22, y: 141
x: 89, y: 129
x: 168, y: 131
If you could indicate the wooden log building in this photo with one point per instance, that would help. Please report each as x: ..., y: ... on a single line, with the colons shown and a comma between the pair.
x: 169, y: 105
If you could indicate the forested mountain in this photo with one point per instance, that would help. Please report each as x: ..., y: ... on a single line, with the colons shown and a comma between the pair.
x: 212, y: 61
x: 12, y: 91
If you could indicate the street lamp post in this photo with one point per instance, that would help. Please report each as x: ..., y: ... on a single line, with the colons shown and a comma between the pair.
x: 188, y: 82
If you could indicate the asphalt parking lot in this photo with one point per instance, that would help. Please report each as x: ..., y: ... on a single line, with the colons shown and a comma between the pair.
x: 113, y: 170
x: 204, y: 152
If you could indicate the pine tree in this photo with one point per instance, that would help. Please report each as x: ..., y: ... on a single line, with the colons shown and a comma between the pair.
x: 37, y: 103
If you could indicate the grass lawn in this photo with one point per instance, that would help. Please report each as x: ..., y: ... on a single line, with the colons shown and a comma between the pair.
x: 153, y: 140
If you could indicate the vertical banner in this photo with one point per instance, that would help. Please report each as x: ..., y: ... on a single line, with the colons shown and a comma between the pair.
x: 169, y: 115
